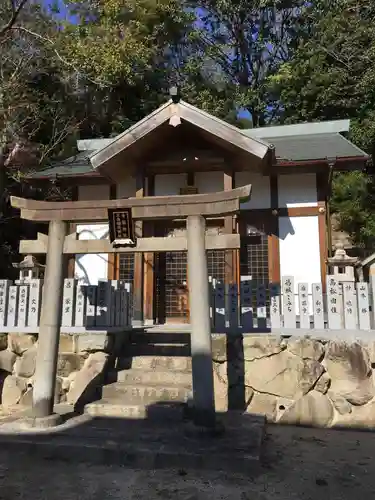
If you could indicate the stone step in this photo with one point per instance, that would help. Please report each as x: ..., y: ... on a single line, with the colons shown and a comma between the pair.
x: 169, y: 363
x: 166, y: 378
x: 128, y: 393
x: 170, y: 338
x: 158, y: 413
x: 145, y: 349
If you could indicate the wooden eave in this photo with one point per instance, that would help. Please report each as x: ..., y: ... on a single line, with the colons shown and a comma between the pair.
x: 315, y: 166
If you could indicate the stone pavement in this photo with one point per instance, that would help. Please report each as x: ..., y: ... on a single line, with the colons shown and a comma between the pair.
x: 141, y: 443
x: 299, y: 464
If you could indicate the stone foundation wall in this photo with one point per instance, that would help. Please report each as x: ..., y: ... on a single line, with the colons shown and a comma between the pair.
x: 82, y: 362
x: 296, y: 380
x: 290, y: 380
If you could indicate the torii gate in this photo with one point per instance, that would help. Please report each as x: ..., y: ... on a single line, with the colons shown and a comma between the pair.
x: 192, y: 207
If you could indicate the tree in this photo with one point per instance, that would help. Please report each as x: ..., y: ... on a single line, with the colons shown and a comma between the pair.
x: 242, y: 44
x: 128, y: 53
x: 34, y: 116
x: 332, y: 76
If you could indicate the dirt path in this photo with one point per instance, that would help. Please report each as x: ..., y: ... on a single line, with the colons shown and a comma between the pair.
x: 302, y: 464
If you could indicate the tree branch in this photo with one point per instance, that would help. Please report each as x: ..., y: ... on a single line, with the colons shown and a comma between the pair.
x: 16, y: 10
x: 101, y: 84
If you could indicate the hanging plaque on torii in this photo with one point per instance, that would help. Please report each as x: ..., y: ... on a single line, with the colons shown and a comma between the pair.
x: 121, y: 227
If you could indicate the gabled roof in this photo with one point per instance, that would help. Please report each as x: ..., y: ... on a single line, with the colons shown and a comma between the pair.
x: 182, y: 111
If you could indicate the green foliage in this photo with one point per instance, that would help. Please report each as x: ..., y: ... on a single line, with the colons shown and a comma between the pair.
x: 331, y: 76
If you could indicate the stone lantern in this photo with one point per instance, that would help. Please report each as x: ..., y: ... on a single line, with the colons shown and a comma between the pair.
x: 341, y: 265
x: 29, y: 268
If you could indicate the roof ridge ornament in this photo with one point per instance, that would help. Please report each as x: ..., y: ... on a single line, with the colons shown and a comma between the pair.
x: 175, y: 119
x: 175, y: 94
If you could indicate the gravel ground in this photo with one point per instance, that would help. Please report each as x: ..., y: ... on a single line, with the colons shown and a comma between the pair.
x: 298, y: 464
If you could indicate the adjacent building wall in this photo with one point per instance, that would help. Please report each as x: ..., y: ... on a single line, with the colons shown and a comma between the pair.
x: 298, y: 235
x: 89, y: 268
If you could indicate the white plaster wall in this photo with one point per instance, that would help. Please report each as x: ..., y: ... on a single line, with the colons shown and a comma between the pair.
x: 89, y: 268
x: 260, y: 192
x: 297, y: 190
x: 299, y: 249
x: 169, y: 184
x: 209, y: 182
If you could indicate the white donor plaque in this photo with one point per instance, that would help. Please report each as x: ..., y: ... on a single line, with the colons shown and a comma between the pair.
x: 4, y: 292
x: 12, y: 306
x: 35, y: 297
x: 68, y: 303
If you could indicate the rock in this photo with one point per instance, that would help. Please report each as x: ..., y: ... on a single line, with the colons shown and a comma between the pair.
x: 323, y: 383
x: 221, y: 370
x: 13, y: 388
x: 88, y: 379
x: 7, y: 360
x: 66, y: 383
x: 306, y: 348
x: 263, y: 404
x: 58, y: 389
x: 360, y: 417
x: 68, y: 363
x: 72, y: 376
x: 340, y: 403
x: 261, y: 347
x: 313, y: 409
x: 20, y: 342
x: 219, y: 348
x: 3, y: 341
x: 93, y: 342
x: 284, y: 375
x: 25, y: 364
x: 221, y: 390
x: 27, y: 398
x: 282, y: 405
x: 249, y: 394
x: 67, y: 343
x: 350, y: 370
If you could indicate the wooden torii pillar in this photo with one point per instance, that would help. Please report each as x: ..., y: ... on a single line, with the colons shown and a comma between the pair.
x: 192, y: 207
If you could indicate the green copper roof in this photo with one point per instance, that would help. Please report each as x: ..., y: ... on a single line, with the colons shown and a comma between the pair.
x: 314, y: 147
x: 74, y: 166
x: 293, y: 143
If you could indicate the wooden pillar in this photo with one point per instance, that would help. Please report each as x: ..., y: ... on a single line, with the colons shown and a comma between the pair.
x: 138, y: 259
x: 149, y: 260
x: 201, y: 350
x: 113, y: 259
x: 71, y: 259
x: 49, y: 331
x: 322, y: 187
x: 230, y: 255
x: 273, y: 238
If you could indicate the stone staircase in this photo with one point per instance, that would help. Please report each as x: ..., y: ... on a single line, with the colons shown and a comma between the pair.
x: 152, y: 380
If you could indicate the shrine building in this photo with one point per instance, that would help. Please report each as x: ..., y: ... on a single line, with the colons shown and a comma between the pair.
x: 179, y: 149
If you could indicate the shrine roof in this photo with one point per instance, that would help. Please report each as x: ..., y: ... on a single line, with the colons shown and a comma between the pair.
x: 298, y: 143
